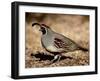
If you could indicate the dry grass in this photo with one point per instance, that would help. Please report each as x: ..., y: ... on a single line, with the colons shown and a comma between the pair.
x: 75, y: 27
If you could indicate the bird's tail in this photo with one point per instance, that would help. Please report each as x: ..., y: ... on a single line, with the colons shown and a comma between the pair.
x: 84, y: 49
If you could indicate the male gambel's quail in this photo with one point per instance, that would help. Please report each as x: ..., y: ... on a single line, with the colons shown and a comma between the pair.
x: 56, y: 43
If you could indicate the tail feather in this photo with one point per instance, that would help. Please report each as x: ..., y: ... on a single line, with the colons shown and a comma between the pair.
x: 84, y: 49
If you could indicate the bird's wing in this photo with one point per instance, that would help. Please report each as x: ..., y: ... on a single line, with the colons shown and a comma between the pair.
x: 64, y: 43
x: 59, y: 43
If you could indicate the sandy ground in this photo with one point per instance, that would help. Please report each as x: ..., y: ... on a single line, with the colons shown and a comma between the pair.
x: 75, y: 27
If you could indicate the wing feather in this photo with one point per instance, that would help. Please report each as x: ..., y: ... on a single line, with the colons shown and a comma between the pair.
x: 58, y: 43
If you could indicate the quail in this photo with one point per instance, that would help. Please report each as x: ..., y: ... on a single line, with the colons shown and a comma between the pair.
x: 56, y: 43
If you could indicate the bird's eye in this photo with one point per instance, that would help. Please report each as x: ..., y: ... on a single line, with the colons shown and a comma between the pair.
x: 43, y: 30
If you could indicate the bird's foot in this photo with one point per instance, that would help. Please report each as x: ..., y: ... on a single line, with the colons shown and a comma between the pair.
x: 56, y: 58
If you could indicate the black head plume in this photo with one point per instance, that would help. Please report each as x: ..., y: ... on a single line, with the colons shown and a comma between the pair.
x: 43, y: 27
x: 36, y: 24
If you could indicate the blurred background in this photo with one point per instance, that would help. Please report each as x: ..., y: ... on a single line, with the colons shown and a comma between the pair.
x: 75, y: 27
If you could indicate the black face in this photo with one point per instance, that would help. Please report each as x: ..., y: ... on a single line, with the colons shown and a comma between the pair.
x: 43, y: 30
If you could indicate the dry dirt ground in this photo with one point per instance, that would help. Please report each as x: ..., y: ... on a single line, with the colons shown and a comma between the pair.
x: 75, y: 27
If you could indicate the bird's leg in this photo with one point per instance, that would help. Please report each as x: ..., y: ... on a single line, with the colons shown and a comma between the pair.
x: 59, y: 57
x: 56, y: 58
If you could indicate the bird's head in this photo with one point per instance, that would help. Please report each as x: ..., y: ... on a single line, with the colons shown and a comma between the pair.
x: 43, y: 28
